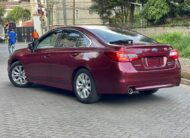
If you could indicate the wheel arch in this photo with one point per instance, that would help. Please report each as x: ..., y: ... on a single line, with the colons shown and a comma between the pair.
x: 14, y: 60
x: 77, y: 69
x: 13, y: 64
x: 94, y: 96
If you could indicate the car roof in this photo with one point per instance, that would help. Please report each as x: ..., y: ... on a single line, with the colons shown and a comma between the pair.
x: 87, y: 27
x: 93, y: 26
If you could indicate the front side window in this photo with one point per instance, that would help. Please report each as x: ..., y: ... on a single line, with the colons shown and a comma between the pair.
x: 50, y: 41
x: 72, y: 39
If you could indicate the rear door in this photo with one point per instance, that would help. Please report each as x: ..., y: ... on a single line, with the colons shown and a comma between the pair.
x: 67, y: 55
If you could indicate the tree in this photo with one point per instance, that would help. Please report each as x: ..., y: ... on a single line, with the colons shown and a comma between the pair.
x: 143, y: 1
x: 26, y: 15
x: 179, y: 8
x: 117, y: 11
x: 156, y: 11
x: 112, y: 10
x: 2, y: 11
x: 1, y: 14
x: 18, y: 14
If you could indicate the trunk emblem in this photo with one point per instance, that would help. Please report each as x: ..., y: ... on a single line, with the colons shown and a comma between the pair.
x: 154, y: 50
x: 165, y: 49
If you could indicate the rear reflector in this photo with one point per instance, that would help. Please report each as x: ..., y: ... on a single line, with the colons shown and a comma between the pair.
x: 174, y: 54
x: 121, y: 56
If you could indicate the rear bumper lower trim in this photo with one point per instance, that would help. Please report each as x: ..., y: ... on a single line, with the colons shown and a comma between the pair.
x: 154, y: 87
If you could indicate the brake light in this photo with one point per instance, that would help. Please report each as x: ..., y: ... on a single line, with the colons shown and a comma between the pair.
x: 174, y: 54
x: 121, y: 56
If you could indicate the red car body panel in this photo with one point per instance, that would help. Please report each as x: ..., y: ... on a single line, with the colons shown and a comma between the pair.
x: 56, y: 67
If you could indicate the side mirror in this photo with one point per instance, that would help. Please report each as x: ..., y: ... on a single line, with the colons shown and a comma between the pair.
x: 31, y: 46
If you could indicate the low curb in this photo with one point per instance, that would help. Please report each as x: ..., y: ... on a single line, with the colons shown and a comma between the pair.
x: 185, y: 77
x: 185, y: 81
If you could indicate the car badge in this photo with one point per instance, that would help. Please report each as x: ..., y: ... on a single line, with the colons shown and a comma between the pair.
x: 165, y: 49
x: 154, y: 50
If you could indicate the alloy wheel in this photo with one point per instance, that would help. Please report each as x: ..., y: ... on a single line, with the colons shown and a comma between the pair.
x: 18, y: 75
x: 83, y: 85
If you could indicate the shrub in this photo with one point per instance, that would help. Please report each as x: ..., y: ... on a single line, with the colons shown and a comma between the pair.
x: 177, y: 40
x: 156, y: 11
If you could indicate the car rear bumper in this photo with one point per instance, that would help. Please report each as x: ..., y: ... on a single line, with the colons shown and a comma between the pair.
x: 140, y: 80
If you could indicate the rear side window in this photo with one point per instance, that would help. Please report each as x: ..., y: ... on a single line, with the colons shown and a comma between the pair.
x: 118, y: 35
x: 72, y: 39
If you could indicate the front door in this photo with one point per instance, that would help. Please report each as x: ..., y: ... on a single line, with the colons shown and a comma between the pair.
x: 38, y: 65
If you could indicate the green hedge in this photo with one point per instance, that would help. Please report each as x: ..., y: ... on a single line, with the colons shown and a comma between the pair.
x: 177, y: 40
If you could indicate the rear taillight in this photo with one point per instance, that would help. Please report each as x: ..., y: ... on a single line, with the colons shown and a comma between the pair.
x: 174, y: 54
x: 121, y: 56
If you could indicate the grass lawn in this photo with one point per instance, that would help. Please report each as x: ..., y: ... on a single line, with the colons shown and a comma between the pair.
x: 177, y: 40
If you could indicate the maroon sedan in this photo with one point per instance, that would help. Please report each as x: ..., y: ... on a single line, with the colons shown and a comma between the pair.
x: 92, y: 60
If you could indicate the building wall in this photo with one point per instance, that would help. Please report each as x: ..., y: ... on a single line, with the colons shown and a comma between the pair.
x: 83, y: 15
x: 54, y: 13
x: 11, y: 4
x: 2, y: 31
x: 33, y: 6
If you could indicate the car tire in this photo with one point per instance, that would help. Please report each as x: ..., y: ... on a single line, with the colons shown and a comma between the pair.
x: 148, y: 92
x: 84, y: 87
x: 17, y: 75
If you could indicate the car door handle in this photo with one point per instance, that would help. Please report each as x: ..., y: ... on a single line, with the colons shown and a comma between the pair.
x: 46, y: 56
x: 74, y: 54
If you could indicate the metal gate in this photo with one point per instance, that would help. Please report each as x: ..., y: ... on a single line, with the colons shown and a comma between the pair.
x: 24, y: 34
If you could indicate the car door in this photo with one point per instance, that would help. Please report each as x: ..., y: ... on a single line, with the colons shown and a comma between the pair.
x: 70, y: 46
x: 38, y: 67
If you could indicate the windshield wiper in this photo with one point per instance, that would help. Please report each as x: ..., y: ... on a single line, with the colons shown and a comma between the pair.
x: 121, y: 42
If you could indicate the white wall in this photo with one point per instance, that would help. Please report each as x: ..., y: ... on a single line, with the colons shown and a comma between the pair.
x: 1, y: 31
x: 37, y: 24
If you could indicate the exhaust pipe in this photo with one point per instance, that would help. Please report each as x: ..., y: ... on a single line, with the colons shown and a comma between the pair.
x: 130, y: 91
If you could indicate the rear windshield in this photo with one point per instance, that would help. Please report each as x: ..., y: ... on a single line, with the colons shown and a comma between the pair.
x: 120, y: 36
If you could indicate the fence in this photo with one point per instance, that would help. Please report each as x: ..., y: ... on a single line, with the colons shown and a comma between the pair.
x: 24, y: 34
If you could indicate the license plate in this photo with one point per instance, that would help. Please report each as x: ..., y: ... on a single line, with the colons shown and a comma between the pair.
x: 154, y: 61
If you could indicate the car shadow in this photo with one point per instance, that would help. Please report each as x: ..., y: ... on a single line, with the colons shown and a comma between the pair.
x: 106, y: 98
x: 52, y: 90
x: 131, y: 99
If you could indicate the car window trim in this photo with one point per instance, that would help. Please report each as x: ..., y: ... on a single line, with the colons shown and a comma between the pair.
x: 61, y: 30
x: 45, y: 35
x: 90, y: 42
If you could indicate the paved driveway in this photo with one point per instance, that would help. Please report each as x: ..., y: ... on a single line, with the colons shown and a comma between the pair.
x: 46, y: 112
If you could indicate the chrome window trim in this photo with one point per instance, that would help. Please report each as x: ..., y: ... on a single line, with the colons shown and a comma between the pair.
x: 90, y: 42
x: 61, y: 30
x: 45, y: 36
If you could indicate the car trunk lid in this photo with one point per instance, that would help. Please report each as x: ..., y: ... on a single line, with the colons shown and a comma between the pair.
x: 150, y: 57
